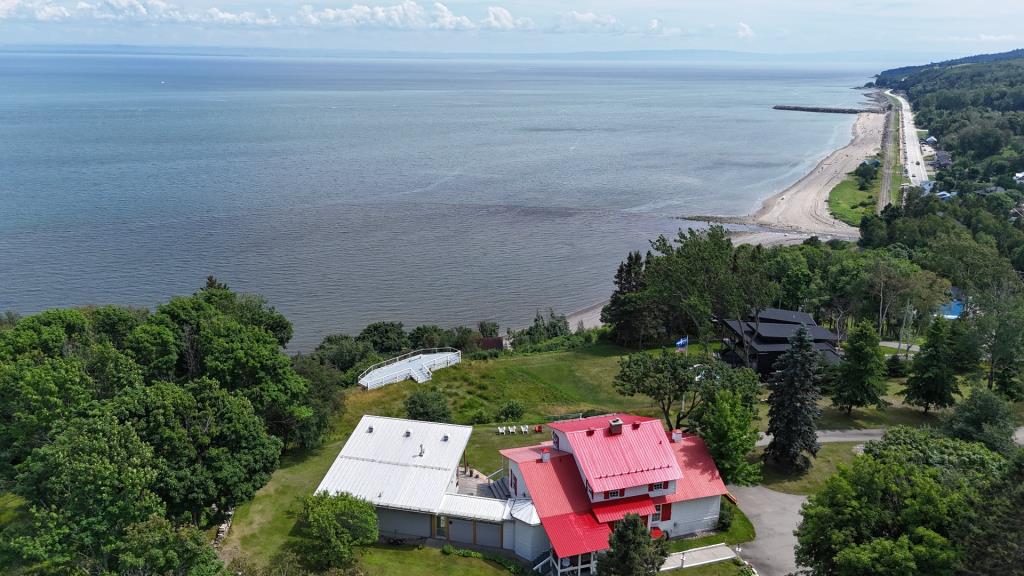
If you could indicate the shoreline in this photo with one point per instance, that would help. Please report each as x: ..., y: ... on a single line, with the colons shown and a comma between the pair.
x: 796, y: 213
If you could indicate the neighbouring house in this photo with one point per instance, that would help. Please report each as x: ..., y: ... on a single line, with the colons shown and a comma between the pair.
x: 931, y: 140
x: 495, y: 343
x: 927, y: 186
x: 1019, y: 177
x: 942, y: 160
x: 557, y: 502
x: 989, y: 190
x: 758, y: 341
x: 944, y: 196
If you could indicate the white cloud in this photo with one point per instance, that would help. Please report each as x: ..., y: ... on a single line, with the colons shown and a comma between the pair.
x: 744, y: 31
x: 499, y: 18
x: 218, y: 16
x: 658, y: 28
x: 583, y: 22
x: 445, y: 19
x: 407, y: 15
x: 8, y: 7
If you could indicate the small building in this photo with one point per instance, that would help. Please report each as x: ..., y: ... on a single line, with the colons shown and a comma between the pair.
x: 927, y: 186
x: 942, y: 160
x: 944, y: 196
x: 1019, y: 177
x: 931, y: 140
x: 758, y: 341
x: 495, y: 343
x: 558, y: 501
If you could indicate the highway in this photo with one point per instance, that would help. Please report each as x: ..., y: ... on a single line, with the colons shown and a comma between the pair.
x: 913, y: 158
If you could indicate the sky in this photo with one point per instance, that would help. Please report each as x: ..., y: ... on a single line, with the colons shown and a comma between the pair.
x: 900, y: 27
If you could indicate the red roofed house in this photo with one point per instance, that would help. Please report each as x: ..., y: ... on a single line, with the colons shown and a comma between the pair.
x: 596, y: 470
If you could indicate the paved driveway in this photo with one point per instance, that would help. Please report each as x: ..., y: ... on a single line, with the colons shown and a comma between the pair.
x: 825, y: 436
x: 775, y: 516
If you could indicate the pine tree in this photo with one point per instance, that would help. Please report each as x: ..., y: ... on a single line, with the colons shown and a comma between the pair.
x: 631, y: 551
x: 932, y: 381
x: 629, y: 312
x: 793, y: 404
x: 860, y: 379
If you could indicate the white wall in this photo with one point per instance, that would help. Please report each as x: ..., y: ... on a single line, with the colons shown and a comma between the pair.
x: 397, y: 523
x: 530, y: 541
x: 635, y: 491
x: 521, y: 491
x: 692, y: 516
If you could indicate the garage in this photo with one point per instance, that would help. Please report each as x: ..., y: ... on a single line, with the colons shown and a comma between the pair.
x: 399, y: 523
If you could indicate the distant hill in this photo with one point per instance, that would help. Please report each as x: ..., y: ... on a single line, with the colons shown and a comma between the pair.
x: 891, y: 77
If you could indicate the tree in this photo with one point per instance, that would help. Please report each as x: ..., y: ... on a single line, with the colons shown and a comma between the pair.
x: 388, y: 338
x: 793, y: 404
x: 333, y: 525
x: 342, y: 352
x: 85, y: 489
x: 861, y: 376
x: 983, y: 417
x: 932, y: 382
x: 629, y: 311
x: 631, y: 551
x: 898, y: 509
x: 511, y: 411
x: 428, y: 336
x: 428, y: 405
x: 156, y: 546
x: 727, y: 426
x: 488, y: 328
x: 209, y: 446
x: 681, y: 385
x: 994, y: 541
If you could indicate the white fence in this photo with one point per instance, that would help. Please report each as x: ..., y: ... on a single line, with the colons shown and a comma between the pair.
x: 417, y: 365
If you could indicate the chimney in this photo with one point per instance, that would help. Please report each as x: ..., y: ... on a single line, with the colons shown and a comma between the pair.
x: 615, y: 426
x: 545, y: 455
x: 677, y: 436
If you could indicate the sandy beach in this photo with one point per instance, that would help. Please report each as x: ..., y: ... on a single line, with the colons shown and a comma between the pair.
x: 799, y: 211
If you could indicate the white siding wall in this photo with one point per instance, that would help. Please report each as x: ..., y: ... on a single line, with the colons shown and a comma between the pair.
x: 394, y: 523
x: 692, y: 516
x: 530, y: 541
x: 561, y: 443
x: 513, y: 470
x: 488, y: 534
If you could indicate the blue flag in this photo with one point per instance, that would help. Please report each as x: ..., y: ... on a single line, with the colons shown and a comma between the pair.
x: 683, y: 342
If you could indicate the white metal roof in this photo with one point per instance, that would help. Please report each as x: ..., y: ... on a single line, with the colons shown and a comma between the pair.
x: 475, y: 507
x: 524, y: 510
x: 396, y: 463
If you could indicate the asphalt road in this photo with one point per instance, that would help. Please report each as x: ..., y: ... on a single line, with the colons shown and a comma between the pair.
x: 917, y: 170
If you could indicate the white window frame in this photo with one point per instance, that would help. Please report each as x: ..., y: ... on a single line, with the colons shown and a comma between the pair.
x: 614, y: 494
x: 656, y: 517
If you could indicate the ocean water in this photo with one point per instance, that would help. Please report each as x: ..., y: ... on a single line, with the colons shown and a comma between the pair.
x: 353, y: 191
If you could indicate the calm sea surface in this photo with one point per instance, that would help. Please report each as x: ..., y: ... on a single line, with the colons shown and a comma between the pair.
x: 354, y: 191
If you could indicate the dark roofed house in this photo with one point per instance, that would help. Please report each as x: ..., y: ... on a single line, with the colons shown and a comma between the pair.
x: 759, y: 341
x: 943, y: 160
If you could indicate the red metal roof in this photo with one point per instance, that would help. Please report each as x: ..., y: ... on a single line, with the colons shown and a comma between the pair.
x: 613, y: 510
x: 637, y: 456
x: 556, y: 486
x: 595, y: 422
x: 573, y: 534
x: 526, y: 453
x: 700, y: 475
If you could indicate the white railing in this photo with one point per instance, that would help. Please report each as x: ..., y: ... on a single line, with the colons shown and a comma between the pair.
x: 450, y: 357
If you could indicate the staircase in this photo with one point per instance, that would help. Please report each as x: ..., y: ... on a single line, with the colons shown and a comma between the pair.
x: 421, y: 374
x: 500, y: 489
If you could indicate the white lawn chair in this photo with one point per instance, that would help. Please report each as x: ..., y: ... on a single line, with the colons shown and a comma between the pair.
x: 501, y: 430
x: 525, y: 429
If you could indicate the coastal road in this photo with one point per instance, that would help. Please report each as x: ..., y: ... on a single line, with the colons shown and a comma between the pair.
x: 917, y: 170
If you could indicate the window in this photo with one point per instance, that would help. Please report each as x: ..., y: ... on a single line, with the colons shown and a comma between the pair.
x: 554, y: 439
x: 657, y: 486
x: 515, y: 486
x: 611, y: 494
x: 656, y: 517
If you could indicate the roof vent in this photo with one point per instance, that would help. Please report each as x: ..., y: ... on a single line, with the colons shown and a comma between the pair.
x: 677, y: 436
x: 444, y: 438
x: 615, y: 426
x: 545, y: 455
x: 369, y: 430
x: 590, y: 432
x: 408, y: 433
x: 421, y: 450
x: 636, y: 425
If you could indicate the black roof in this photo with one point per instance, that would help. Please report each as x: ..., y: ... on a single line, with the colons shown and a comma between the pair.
x: 775, y: 332
x: 786, y: 316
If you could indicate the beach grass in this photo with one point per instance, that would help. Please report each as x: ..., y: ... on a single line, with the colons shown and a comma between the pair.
x: 849, y: 204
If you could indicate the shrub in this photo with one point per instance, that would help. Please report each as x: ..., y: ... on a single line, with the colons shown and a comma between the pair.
x: 511, y: 411
x: 333, y: 525
x: 479, y: 416
x: 726, y: 515
x: 428, y: 405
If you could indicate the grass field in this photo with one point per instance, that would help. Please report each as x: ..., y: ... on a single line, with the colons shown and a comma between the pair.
x: 849, y: 204
x: 405, y: 560
x: 741, y: 531
x: 824, y: 465
x: 716, y: 569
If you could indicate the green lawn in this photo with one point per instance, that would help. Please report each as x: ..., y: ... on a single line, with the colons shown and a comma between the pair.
x: 824, y: 465
x: 717, y: 569
x: 10, y: 507
x: 741, y: 531
x: 405, y: 560
x: 849, y: 204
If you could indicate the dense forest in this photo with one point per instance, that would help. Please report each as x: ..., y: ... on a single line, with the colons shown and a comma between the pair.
x: 975, y: 108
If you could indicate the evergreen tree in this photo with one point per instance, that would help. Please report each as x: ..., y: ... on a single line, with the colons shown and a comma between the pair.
x: 631, y: 551
x: 860, y: 379
x: 932, y: 381
x: 793, y: 404
x: 629, y: 312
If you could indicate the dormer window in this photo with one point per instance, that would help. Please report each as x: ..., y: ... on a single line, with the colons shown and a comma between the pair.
x: 554, y: 439
x: 609, y: 494
x: 657, y: 486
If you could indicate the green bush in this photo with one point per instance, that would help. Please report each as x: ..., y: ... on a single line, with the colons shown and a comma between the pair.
x: 726, y: 515
x: 479, y: 416
x: 511, y: 411
x: 447, y: 549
